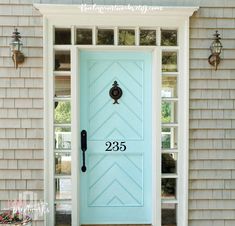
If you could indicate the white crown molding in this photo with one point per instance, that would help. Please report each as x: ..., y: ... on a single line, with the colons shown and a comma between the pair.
x: 86, y: 9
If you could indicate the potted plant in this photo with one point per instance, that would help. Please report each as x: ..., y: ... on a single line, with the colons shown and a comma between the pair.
x: 11, y: 218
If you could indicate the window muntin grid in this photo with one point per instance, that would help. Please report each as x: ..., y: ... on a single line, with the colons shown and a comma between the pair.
x: 170, y: 74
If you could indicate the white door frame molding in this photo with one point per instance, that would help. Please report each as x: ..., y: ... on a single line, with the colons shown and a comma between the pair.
x: 72, y: 16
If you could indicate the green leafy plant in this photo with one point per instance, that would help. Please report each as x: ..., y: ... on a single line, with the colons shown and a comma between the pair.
x: 63, y: 112
x: 166, y: 112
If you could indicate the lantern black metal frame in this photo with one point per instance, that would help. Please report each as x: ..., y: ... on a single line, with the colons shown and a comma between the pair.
x: 16, y: 46
x: 216, y: 48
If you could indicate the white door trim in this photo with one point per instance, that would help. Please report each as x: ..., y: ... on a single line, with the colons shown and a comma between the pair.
x: 72, y: 15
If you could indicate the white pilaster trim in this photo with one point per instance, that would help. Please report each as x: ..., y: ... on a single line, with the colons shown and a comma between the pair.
x: 49, y: 192
x: 183, y: 125
x: 75, y: 130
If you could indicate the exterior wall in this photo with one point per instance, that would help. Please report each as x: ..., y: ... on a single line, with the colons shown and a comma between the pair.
x: 212, y: 164
x: 21, y: 104
x: 212, y: 115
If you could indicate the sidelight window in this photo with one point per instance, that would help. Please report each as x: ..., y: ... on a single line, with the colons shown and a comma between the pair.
x: 62, y: 127
x: 170, y: 74
x: 167, y: 42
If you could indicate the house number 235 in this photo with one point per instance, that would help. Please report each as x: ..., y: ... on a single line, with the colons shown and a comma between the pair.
x: 115, y: 146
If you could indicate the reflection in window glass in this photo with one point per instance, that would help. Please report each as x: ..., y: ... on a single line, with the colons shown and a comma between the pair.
x: 62, y: 61
x: 63, y: 188
x: 168, y: 37
x: 148, y: 37
x: 169, y: 86
x: 169, y: 138
x: 105, y: 37
x: 169, y: 163
x: 169, y: 61
x: 62, y: 112
x: 169, y: 213
x: 62, y: 86
x: 169, y: 112
x: 63, y: 214
x: 166, y: 140
x: 166, y: 112
x: 63, y: 138
x: 63, y: 163
x: 84, y: 36
x: 62, y: 36
x: 126, y: 37
x: 169, y: 188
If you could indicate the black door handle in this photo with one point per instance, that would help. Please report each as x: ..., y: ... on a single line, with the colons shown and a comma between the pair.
x: 84, y: 148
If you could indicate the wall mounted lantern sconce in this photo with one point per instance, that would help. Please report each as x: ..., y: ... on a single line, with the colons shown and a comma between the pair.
x: 16, y: 47
x: 216, y: 48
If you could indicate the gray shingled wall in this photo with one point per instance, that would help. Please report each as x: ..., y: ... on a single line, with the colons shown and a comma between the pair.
x: 212, y: 121
x: 21, y: 104
x: 212, y: 114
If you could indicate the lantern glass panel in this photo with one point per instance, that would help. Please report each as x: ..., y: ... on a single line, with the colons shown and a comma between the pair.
x: 217, y: 47
x: 20, y: 46
x: 16, y: 45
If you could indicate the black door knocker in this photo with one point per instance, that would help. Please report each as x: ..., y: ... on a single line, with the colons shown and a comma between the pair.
x: 115, y: 92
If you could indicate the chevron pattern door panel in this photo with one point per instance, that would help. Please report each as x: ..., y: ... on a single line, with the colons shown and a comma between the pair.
x: 122, y: 187
x: 107, y: 121
x: 116, y: 188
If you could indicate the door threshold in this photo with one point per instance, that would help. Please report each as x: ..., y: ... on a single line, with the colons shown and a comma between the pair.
x: 116, y: 225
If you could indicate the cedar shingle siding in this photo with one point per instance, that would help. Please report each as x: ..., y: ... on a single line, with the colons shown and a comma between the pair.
x: 21, y: 104
x: 212, y: 115
x: 212, y: 104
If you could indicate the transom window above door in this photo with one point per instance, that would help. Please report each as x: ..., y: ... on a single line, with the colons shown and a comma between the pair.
x: 121, y: 36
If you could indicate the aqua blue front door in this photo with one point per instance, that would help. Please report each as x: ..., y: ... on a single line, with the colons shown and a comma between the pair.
x: 116, y: 187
